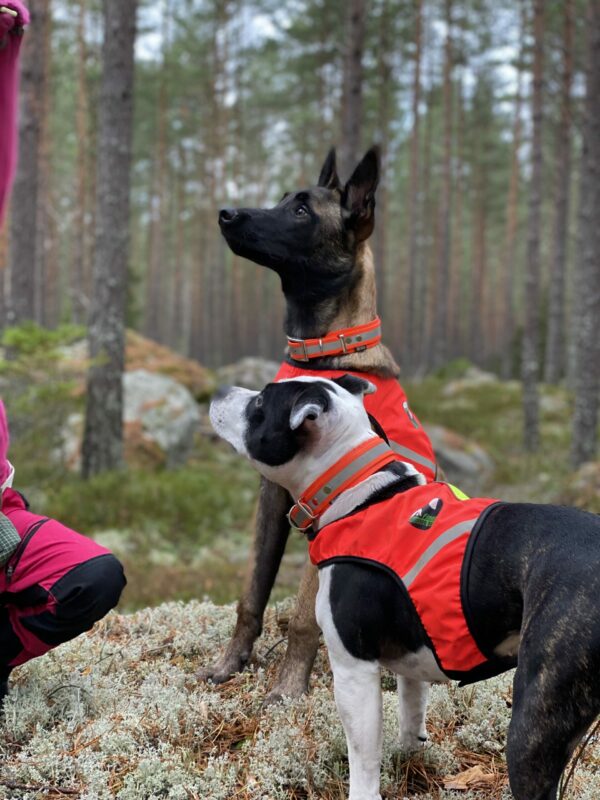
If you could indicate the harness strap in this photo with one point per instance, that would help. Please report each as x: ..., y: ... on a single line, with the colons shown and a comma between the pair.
x: 340, y: 342
x: 353, y: 467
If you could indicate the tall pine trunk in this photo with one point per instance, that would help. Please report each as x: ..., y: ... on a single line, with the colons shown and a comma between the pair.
x: 79, y: 299
x: 103, y: 434
x: 384, y: 109
x: 531, y: 327
x: 410, y: 342
x: 352, y: 99
x: 24, y: 236
x: 555, y: 340
x: 587, y: 306
x: 442, y: 282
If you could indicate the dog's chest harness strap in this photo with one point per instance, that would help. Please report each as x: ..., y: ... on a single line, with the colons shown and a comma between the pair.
x: 337, y: 343
x: 353, y: 467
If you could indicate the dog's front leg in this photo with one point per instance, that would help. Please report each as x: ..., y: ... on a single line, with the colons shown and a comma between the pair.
x: 303, y: 641
x: 357, y: 689
x: 412, y: 706
x: 271, y: 534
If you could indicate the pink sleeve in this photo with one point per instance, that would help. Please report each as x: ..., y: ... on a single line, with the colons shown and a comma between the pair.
x: 11, y: 29
x: 4, y: 442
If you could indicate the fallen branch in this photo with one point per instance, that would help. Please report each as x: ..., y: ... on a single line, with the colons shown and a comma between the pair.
x: 25, y: 787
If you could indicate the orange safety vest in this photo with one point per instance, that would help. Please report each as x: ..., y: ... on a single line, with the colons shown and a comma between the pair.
x: 420, y: 536
x: 390, y: 408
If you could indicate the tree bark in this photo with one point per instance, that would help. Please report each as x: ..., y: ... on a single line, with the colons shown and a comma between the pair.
x: 555, y: 340
x: 103, y: 434
x: 352, y: 99
x: 442, y: 282
x: 587, y: 306
x: 531, y: 332
x: 510, y: 248
x: 24, y: 206
x: 79, y: 299
x: 384, y: 109
x: 411, y: 316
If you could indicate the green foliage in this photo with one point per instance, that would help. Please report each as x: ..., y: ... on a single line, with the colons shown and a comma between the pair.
x: 453, y: 369
x: 186, y: 508
x: 31, y: 339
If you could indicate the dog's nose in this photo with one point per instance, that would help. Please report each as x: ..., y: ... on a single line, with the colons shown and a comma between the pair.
x: 221, y: 392
x: 228, y: 215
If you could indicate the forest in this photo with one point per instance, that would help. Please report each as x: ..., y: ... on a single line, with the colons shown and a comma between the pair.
x: 479, y: 110
x: 122, y: 309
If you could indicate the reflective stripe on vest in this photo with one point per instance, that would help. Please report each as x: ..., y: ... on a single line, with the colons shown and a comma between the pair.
x: 421, y: 536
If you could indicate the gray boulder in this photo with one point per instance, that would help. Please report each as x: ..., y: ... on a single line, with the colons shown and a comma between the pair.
x: 250, y: 372
x: 464, y: 462
x: 160, y: 418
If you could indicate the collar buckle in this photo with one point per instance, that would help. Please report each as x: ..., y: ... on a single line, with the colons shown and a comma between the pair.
x: 306, y: 517
x: 299, y: 343
x: 342, y: 338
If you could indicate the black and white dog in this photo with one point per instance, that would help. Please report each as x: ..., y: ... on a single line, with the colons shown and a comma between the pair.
x: 530, y: 579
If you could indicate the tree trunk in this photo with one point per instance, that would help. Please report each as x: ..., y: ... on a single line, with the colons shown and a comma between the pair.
x: 384, y: 107
x: 531, y: 332
x: 411, y: 316
x: 555, y: 340
x: 587, y: 307
x: 79, y: 299
x: 24, y: 206
x: 156, y: 277
x: 103, y: 435
x: 442, y: 282
x: 352, y: 100
x: 512, y: 223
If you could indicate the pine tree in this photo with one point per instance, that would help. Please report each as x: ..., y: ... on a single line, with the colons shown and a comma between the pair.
x: 587, y: 307
x: 102, y: 447
x: 531, y: 330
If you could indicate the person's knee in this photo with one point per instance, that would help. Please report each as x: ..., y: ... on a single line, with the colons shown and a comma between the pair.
x: 91, y: 590
x: 107, y: 581
x: 81, y: 597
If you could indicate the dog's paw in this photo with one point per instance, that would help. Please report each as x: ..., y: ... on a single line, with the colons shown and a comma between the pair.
x: 412, y: 742
x: 290, y: 685
x: 222, y: 671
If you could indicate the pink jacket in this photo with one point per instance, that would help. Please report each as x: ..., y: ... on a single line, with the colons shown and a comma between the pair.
x: 10, y: 45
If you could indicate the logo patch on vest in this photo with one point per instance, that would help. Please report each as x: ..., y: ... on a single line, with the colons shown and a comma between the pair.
x: 425, y: 516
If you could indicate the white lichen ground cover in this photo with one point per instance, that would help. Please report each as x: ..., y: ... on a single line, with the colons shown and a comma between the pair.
x: 118, y: 713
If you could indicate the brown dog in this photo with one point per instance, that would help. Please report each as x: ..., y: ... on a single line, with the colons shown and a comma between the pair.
x: 316, y: 241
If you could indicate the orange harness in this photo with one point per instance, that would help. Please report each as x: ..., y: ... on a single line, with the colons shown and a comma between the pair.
x: 420, y: 537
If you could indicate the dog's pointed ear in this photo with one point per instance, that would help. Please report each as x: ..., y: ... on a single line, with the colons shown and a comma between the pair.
x: 355, y: 385
x: 328, y: 177
x: 358, y: 195
x: 308, y: 405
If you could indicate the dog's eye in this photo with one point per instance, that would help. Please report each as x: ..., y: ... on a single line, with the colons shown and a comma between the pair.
x: 258, y: 402
x: 301, y: 211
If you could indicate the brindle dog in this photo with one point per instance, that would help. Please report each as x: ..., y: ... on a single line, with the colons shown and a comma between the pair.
x: 316, y: 241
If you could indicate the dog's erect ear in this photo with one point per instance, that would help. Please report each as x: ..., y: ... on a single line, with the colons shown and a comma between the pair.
x: 308, y: 405
x: 358, y: 196
x: 328, y: 178
x: 355, y: 385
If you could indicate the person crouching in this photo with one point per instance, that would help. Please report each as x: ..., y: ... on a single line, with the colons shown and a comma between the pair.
x: 54, y: 582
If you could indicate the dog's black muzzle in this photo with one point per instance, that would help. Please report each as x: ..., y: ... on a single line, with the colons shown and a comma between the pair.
x: 231, y: 216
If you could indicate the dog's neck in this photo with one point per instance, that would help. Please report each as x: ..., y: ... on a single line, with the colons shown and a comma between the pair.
x: 357, y: 496
x: 357, y: 305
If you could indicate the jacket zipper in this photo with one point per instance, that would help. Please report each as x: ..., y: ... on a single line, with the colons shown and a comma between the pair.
x: 14, y: 561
